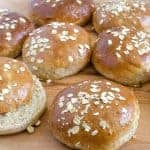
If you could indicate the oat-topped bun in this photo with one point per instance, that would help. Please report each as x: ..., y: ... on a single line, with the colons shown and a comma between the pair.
x: 57, y: 50
x: 22, y: 97
x: 123, y: 54
x: 115, y: 13
x: 13, y: 30
x: 94, y: 115
x: 71, y: 11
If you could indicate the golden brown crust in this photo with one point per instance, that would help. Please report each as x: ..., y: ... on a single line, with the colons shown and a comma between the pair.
x: 25, y: 116
x: 13, y: 30
x: 71, y: 11
x: 57, y: 50
x: 16, y: 84
x: 123, y: 54
x: 116, y: 13
x: 93, y: 115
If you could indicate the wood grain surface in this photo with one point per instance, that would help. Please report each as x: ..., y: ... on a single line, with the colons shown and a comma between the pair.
x: 42, y: 139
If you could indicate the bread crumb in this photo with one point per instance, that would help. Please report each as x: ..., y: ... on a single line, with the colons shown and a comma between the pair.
x: 38, y: 123
x: 30, y: 129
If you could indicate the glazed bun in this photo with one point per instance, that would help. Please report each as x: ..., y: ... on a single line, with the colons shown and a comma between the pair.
x: 13, y: 30
x: 116, y: 13
x: 57, y: 50
x: 22, y: 97
x: 71, y: 11
x: 94, y: 115
x: 123, y: 55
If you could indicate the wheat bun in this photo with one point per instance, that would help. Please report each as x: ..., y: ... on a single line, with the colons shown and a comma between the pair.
x: 13, y: 30
x: 22, y: 97
x: 94, y: 115
x: 116, y: 13
x: 71, y: 11
x: 57, y: 50
x: 123, y: 55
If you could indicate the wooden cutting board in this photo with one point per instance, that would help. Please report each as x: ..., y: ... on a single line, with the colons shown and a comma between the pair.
x: 42, y: 139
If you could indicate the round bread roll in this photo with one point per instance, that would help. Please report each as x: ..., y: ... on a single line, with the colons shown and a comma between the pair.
x: 57, y: 50
x: 94, y: 115
x: 22, y: 97
x: 13, y: 30
x: 71, y: 11
x: 123, y: 55
x: 116, y: 13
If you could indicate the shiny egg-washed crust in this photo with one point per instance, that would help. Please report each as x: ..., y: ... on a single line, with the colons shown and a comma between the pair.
x: 57, y: 50
x: 14, y: 28
x: 71, y: 11
x: 116, y: 13
x: 27, y: 114
x: 123, y: 55
x: 16, y: 84
x: 94, y: 115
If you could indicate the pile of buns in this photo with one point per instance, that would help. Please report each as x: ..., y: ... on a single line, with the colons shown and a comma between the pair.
x: 59, y: 40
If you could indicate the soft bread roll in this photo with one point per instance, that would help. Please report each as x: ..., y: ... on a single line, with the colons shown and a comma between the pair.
x: 22, y: 97
x: 16, y: 84
x: 123, y: 55
x: 13, y: 30
x: 57, y: 50
x: 116, y: 13
x: 71, y: 11
x: 94, y: 115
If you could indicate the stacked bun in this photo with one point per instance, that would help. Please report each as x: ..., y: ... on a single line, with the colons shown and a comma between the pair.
x: 14, y: 28
x: 22, y: 97
x: 71, y: 11
x: 123, y: 54
x: 94, y: 115
x: 57, y: 50
x: 116, y: 13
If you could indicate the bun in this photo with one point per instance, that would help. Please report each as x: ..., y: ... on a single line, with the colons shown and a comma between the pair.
x: 14, y: 78
x: 13, y: 30
x: 94, y: 115
x: 116, y: 13
x: 22, y: 97
x: 123, y: 55
x: 57, y: 50
x: 71, y: 11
